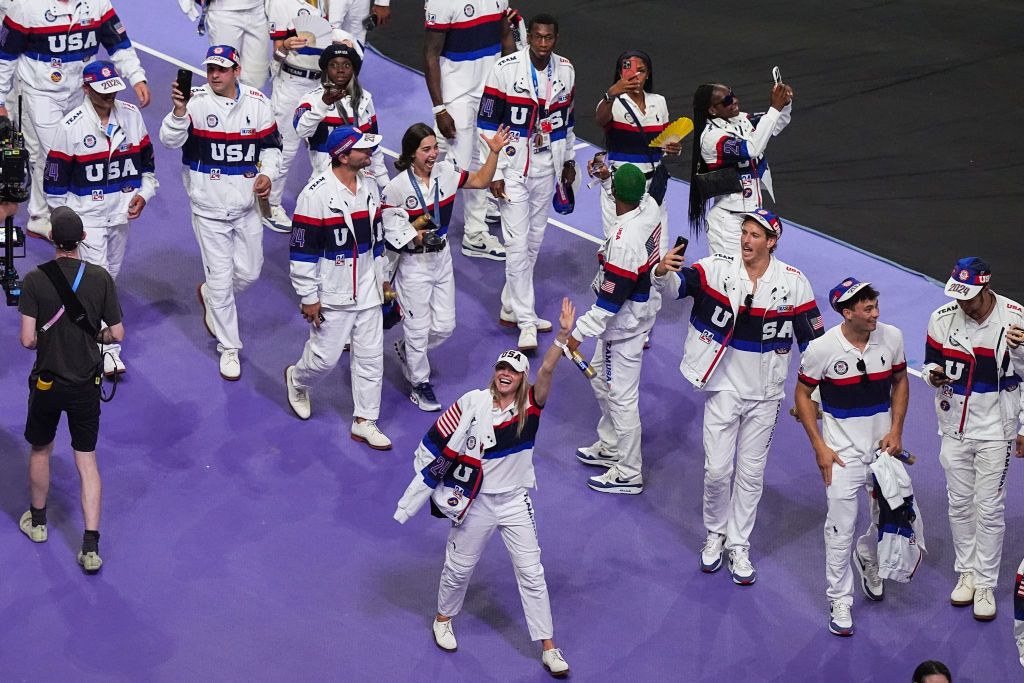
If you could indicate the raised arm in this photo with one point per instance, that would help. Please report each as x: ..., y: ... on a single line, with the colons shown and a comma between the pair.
x: 545, y: 374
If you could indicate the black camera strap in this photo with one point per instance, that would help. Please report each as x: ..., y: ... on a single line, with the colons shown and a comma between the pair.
x: 436, y: 214
x: 69, y: 300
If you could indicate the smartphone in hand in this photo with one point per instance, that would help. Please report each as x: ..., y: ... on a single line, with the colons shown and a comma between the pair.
x: 185, y: 83
x: 776, y: 75
x: 630, y: 67
x: 681, y: 242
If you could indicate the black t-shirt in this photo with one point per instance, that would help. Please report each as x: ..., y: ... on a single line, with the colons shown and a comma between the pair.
x: 65, y: 350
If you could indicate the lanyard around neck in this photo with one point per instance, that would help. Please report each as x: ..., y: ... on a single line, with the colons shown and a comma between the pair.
x: 436, y: 214
x: 536, y: 86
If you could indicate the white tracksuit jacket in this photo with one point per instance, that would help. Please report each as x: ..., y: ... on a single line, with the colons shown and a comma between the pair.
x: 50, y: 42
x: 766, y: 336
x: 97, y: 176
x: 315, y: 120
x: 990, y: 375
x: 509, y: 98
x: 225, y: 143
x: 626, y: 303
x: 337, y: 245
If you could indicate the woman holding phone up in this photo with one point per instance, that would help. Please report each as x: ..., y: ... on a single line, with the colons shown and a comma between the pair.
x: 632, y: 115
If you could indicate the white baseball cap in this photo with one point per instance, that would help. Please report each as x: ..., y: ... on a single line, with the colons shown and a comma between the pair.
x: 515, y: 359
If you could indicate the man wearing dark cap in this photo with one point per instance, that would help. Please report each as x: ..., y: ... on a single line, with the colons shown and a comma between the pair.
x: 860, y: 368
x: 975, y: 361
x: 339, y: 101
x: 621, y: 317
x: 65, y: 376
x: 748, y: 308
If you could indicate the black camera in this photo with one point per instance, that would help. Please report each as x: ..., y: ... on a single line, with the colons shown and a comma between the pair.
x: 14, y: 188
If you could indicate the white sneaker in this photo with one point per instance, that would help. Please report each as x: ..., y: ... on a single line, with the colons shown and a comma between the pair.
x: 230, y: 365
x: 485, y: 245
x: 367, y: 432
x: 39, y: 227
x: 36, y: 534
x: 711, y: 552
x: 207, y: 316
x: 423, y: 395
x: 984, y: 604
x: 963, y: 594
x: 870, y: 582
x: 507, y: 318
x: 112, y: 364
x: 742, y: 570
x: 611, y: 482
x: 298, y: 398
x: 278, y: 220
x: 593, y: 455
x: 841, y: 621
x: 554, y: 662
x: 444, y: 636
x: 528, y: 339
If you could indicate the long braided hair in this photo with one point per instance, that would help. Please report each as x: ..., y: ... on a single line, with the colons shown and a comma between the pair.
x: 698, y: 206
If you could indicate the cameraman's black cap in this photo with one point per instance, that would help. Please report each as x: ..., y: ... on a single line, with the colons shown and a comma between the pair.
x: 340, y: 50
x: 66, y: 226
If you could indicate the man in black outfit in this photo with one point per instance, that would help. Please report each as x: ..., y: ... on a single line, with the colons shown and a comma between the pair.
x: 65, y: 376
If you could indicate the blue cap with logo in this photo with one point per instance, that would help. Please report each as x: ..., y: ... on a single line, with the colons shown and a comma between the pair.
x: 222, y: 55
x: 767, y: 220
x: 844, y: 291
x: 103, y: 77
x: 345, y: 138
x: 969, y: 276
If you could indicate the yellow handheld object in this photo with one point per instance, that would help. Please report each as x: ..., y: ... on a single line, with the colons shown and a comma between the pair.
x: 676, y: 131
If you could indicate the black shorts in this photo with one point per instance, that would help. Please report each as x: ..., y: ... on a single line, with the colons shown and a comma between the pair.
x: 82, y: 404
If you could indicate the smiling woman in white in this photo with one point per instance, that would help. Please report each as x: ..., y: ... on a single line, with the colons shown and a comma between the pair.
x: 418, y: 205
x: 479, y: 457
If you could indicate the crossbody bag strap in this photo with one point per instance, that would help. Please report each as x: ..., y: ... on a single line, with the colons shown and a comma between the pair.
x: 69, y: 300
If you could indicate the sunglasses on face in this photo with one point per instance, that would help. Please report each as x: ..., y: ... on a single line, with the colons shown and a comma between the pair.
x: 862, y: 367
x: 726, y: 101
x: 745, y: 311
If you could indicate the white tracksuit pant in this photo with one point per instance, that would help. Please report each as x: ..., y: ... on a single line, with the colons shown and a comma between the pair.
x: 364, y: 330
x: 1018, y: 622
x: 464, y: 148
x: 524, y: 217
x: 512, y: 514
x: 232, y: 259
x: 735, y: 426
x: 975, y: 484
x: 348, y: 15
x: 724, y: 231
x: 246, y: 31
x: 41, y: 114
x: 426, y: 293
x: 105, y: 247
x: 841, y: 521
x: 288, y: 90
x: 617, y: 389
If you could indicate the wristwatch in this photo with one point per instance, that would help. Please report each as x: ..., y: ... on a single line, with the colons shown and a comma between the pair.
x: 607, y: 97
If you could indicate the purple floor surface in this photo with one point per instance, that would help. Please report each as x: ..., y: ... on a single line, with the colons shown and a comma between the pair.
x: 243, y: 544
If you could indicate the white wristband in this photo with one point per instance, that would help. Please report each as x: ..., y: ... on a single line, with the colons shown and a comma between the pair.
x: 564, y: 347
x: 438, y: 109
